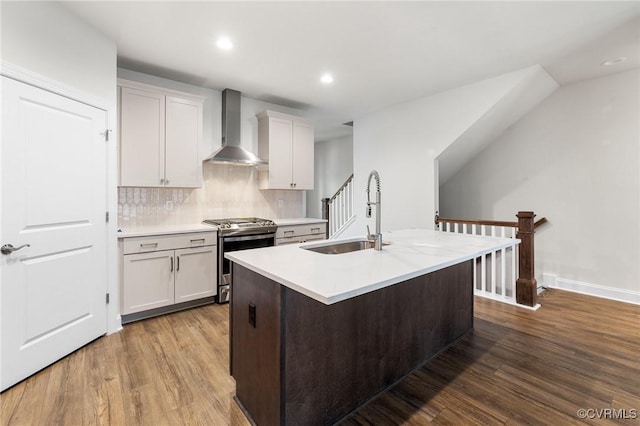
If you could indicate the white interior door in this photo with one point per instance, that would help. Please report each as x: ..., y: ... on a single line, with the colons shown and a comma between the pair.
x: 53, y: 181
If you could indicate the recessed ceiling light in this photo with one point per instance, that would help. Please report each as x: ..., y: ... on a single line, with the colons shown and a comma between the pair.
x: 326, y: 79
x: 613, y: 61
x: 224, y: 43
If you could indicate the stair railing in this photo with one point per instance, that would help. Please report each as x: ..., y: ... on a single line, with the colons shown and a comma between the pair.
x: 507, y: 274
x: 338, y: 209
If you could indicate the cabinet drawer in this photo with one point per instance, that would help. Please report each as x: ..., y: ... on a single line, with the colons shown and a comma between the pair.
x: 168, y: 242
x: 299, y: 239
x: 298, y: 230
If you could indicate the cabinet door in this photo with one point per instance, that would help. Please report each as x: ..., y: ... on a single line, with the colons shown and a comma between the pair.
x: 147, y: 281
x: 183, y: 138
x: 302, y: 156
x: 196, y: 273
x: 280, y: 138
x: 142, y: 134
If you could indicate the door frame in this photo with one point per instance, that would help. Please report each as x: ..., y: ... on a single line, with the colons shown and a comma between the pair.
x: 15, y: 72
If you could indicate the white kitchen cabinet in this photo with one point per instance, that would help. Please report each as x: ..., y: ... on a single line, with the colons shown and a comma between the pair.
x: 286, y: 142
x: 196, y: 273
x: 160, y: 137
x: 165, y: 270
x: 292, y: 234
x: 148, y: 281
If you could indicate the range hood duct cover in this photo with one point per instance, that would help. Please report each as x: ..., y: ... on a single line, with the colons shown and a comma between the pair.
x: 231, y: 152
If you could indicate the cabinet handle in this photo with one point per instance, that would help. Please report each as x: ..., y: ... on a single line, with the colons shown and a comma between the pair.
x: 178, y: 264
x: 289, y: 232
x: 166, y: 181
x: 161, y: 181
x: 148, y: 245
x: 198, y: 240
x: 171, y: 258
x: 315, y: 229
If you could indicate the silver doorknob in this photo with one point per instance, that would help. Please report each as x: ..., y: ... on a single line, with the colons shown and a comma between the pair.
x: 9, y: 248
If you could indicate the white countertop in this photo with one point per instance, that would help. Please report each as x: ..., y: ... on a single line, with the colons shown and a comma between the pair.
x: 331, y: 278
x: 142, y: 231
x: 298, y: 221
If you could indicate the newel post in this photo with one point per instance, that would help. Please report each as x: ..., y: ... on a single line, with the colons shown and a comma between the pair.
x: 325, y: 212
x: 526, y: 285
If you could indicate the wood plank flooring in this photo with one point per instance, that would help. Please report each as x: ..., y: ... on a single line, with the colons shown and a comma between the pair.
x: 515, y: 367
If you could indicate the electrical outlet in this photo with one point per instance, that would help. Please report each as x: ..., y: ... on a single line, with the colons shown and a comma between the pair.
x: 252, y: 315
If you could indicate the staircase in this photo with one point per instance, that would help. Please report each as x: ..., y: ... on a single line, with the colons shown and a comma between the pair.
x: 338, y: 210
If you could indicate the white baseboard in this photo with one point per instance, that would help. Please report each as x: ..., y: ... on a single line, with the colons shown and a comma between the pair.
x: 628, y: 296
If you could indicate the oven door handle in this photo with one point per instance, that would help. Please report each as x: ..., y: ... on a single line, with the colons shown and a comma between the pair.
x: 249, y: 237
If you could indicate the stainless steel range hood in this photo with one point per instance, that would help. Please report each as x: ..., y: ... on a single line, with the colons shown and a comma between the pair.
x: 231, y: 152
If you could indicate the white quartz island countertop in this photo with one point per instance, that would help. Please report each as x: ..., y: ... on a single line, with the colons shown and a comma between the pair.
x: 331, y: 278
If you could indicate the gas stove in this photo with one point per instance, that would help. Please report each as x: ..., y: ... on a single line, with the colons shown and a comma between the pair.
x: 241, y: 233
x: 242, y: 226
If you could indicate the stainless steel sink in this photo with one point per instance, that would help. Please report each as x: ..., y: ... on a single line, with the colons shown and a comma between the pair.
x: 342, y: 247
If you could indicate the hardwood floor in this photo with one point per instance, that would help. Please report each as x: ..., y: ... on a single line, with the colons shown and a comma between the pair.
x: 515, y: 367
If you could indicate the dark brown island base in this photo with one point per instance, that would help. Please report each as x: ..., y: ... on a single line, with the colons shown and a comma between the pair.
x: 298, y: 361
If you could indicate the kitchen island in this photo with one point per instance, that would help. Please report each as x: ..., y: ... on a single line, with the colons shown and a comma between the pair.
x: 314, y: 336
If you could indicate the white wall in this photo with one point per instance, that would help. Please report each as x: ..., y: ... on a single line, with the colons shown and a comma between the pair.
x: 402, y: 142
x: 333, y: 165
x: 43, y: 37
x: 574, y: 159
x: 53, y: 46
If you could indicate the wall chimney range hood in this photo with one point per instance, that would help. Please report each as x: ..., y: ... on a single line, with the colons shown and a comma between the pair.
x: 231, y: 152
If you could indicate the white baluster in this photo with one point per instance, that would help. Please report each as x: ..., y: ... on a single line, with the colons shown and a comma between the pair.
x: 514, y: 265
x: 503, y: 266
x: 493, y: 259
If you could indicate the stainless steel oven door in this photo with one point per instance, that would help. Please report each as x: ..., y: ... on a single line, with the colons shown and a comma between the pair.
x: 235, y: 243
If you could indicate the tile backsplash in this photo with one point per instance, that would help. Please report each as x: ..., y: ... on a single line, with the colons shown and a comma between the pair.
x: 228, y: 191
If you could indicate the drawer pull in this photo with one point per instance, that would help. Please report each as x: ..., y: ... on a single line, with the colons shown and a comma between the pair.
x: 148, y: 245
x: 289, y: 232
x: 315, y: 229
x: 198, y: 240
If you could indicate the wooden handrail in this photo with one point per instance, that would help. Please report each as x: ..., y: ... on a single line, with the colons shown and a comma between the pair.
x: 540, y: 222
x: 346, y: 182
x: 439, y: 219
x: 477, y: 222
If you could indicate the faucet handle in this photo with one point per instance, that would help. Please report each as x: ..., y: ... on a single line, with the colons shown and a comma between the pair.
x: 369, y: 236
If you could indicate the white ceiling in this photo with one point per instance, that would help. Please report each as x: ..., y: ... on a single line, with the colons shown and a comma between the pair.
x: 381, y: 53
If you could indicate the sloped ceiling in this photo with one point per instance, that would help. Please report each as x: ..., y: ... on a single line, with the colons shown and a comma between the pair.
x: 531, y: 87
x: 380, y: 53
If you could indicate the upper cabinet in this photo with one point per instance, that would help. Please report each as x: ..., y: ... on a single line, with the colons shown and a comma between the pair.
x: 286, y: 142
x: 160, y: 137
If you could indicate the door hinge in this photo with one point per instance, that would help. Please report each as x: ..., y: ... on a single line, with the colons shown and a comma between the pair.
x: 106, y: 216
x: 107, y: 298
x: 106, y: 135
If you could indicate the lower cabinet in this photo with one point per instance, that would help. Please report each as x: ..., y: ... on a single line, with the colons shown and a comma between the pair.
x: 167, y: 270
x: 292, y: 234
